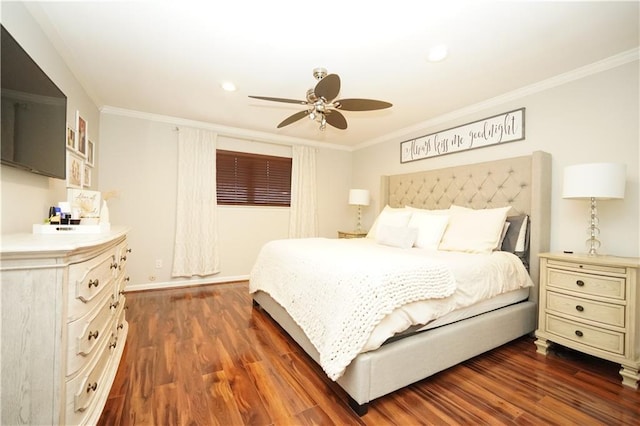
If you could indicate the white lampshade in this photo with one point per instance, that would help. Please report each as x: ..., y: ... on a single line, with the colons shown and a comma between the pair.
x: 359, y: 197
x: 602, y: 181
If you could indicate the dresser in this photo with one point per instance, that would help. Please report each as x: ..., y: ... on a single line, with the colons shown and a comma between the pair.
x: 63, y: 325
x: 590, y: 304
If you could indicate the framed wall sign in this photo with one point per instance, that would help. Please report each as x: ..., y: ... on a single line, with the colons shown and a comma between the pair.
x: 502, y: 128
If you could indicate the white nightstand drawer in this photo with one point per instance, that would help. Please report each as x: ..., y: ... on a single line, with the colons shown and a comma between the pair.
x: 606, y: 313
x: 595, y: 285
x: 599, y: 338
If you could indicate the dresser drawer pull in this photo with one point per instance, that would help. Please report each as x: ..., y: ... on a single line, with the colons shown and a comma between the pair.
x: 120, y: 326
x: 94, y: 283
x: 579, y: 333
x: 579, y: 308
x: 123, y: 258
x: 128, y: 250
x: 92, y: 387
x: 580, y: 283
x: 93, y: 335
x: 113, y: 345
x: 114, y: 305
x: 127, y: 279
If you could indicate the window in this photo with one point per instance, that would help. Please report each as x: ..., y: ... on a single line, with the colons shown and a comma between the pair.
x: 253, y: 179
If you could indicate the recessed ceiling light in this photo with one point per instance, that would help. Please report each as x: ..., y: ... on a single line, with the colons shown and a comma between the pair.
x: 437, y: 53
x: 228, y: 86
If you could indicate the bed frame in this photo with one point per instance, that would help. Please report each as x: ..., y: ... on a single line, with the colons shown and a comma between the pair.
x: 521, y: 182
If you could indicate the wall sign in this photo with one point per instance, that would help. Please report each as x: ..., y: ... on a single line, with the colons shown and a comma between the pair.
x: 507, y: 127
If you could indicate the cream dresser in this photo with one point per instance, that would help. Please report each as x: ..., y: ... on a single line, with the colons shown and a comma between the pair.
x: 590, y: 304
x: 63, y: 325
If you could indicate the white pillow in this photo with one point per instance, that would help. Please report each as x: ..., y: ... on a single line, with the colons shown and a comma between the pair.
x: 396, y: 236
x: 430, y: 228
x: 436, y: 211
x: 474, y: 231
x: 390, y: 216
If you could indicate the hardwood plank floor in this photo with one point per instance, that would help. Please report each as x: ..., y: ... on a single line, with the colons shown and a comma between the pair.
x: 204, y: 356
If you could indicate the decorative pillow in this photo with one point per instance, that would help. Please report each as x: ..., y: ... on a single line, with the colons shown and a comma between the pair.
x: 396, y: 236
x: 390, y: 216
x: 430, y: 228
x: 474, y: 231
x: 512, y: 241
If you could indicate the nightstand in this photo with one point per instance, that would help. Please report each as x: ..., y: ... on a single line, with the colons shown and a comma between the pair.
x: 590, y: 304
x: 352, y: 234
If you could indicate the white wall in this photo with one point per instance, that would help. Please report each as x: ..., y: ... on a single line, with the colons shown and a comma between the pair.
x: 592, y: 119
x: 139, y: 161
x: 26, y: 197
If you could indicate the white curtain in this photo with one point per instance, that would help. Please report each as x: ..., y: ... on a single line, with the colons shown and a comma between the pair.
x: 196, y: 241
x: 303, y: 222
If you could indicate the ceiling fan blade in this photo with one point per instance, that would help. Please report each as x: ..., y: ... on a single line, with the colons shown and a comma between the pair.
x: 293, y: 118
x: 336, y: 119
x: 328, y: 88
x: 361, y: 104
x: 289, y: 101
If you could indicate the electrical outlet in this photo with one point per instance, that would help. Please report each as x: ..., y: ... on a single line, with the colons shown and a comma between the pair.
x: 158, y: 263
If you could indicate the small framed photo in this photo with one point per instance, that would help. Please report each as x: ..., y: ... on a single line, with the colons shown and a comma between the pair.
x: 90, y: 153
x: 86, y: 179
x: 83, y: 134
x: 71, y: 138
x: 75, y: 170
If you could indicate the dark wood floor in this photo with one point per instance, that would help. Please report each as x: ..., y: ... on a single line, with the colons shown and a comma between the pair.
x: 204, y: 356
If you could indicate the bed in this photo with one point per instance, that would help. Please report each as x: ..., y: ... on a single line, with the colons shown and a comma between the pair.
x: 521, y: 183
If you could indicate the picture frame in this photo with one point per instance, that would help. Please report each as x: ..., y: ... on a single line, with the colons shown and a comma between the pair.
x: 90, y: 153
x: 86, y: 179
x: 75, y: 168
x: 82, y: 136
x: 71, y: 139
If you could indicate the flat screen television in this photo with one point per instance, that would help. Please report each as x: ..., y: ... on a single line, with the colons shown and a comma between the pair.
x: 33, y: 114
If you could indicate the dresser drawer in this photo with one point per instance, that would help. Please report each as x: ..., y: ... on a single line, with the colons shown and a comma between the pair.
x: 607, y: 340
x: 605, y: 313
x: 88, y: 386
x: 588, y: 284
x: 86, y: 333
x: 88, y: 281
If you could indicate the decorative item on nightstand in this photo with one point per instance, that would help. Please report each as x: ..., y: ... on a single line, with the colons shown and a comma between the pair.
x: 359, y: 197
x: 594, y: 181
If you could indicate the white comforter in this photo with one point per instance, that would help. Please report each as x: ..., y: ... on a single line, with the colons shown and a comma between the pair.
x: 337, y: 290
x: 350, y: 295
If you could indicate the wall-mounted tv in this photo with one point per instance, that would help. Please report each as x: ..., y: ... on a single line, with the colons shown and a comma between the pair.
x: 33, y: 114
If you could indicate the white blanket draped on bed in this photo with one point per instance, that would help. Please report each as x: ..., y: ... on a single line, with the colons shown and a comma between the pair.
x: 346, y: 289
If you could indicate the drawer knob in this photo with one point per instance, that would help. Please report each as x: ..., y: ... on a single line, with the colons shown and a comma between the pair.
x: 580, y: 283
x: 92, y: 387
x: 128, y: 250
x: 94, y: 283
x: 113, y: 266
x: 123, y: 258
x: 93, y: 335
x: 579, y: 308
x: 127, y: 279
x: 113, y: 345
x: 579, y: 333
x: 120, y: 326
x: 114, y: 305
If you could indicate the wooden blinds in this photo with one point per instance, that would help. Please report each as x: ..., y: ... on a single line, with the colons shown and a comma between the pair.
x: 253, y: 179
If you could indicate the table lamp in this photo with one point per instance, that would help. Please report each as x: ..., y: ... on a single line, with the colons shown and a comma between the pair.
x: 359, y: 197
x: 594, y: 181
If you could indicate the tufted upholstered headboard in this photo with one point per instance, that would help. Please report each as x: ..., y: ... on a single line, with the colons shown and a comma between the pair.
x: 521, y: 182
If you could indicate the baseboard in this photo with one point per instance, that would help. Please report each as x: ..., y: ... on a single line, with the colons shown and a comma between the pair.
x: 184, y: 283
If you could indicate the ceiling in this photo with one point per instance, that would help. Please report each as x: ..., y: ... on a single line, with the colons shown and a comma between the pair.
x: 170, y: 57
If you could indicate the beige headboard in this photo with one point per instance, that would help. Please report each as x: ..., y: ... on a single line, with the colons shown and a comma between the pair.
x: 521, y: 182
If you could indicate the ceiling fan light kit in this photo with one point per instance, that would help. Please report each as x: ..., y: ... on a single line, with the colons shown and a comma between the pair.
x: 322, y: 105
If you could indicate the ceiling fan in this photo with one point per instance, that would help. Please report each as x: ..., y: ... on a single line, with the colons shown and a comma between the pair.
x: 322, y: 105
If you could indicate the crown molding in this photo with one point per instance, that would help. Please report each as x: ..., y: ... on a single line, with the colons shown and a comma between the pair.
x: 220, y: 129
x: 558, y: 80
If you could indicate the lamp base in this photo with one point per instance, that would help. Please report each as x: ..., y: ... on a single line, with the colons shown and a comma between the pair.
x: 593, y: 243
